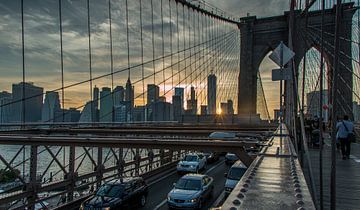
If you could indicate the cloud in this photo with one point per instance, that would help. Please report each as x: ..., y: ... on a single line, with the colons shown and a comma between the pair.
x: 42, y: 42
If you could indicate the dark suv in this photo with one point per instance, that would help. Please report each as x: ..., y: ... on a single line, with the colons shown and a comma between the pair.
x: 117, y: 194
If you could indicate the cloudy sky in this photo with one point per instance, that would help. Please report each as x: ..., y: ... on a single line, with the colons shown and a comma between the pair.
x: 42, y: 46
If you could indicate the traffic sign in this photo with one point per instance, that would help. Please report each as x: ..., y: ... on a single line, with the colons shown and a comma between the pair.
x: 286, y: 53
x: 281, y: 74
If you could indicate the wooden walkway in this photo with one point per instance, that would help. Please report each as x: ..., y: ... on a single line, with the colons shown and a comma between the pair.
x: 347, y: 177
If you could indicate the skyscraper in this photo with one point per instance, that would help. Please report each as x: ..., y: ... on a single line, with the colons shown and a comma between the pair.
x: 177, y: 107
x: 152, y: 93
x: 95, y: 105
x: 5, y: 110
x: 96, y: 97
x: 211, y: 94
x: 179, y: 91
x: 32, y: 106
x: 129, y: 93
x: 106, y: 105
x: 51, y: 108
x: 129, y: 97
x: 86, y: 113
x: 119, y: 95
x: 192, y: 103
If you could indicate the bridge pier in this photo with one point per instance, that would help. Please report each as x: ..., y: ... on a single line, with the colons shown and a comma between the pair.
x: 260, y: 36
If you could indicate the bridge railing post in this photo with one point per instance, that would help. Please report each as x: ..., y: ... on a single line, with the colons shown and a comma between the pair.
x: 33, y: 182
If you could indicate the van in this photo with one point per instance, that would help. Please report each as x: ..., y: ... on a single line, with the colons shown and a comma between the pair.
x: 234, y: 175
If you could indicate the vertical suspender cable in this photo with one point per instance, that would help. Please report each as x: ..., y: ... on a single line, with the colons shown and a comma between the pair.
x: 90, y: 64
x: 111, y: 63
x: 163, y: 44
x: 183, y: 17
x: 127, y: 38
x: 178, y: 41
x: 304, y: 60
x: 61, y: 62
x: 171, y: 48
x: 23, y: 65
x: 334, y: 106
x: 153, y: 39
x: 189, y: 36
x: 142, y: 56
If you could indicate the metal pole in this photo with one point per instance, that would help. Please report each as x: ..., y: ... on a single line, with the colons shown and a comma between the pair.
x: 320, y: 107
x: 281, y: 90
x: 334, y: 107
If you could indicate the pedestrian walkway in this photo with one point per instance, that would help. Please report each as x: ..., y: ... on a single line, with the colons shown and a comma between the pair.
x: 347, y: 176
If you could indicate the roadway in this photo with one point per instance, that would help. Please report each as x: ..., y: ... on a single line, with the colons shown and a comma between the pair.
x: 158, y: 190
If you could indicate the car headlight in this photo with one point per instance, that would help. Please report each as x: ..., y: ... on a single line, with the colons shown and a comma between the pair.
x: 194, y: 200
x: 192, y: 166
x: 228, y: 189
x: 169, y: 198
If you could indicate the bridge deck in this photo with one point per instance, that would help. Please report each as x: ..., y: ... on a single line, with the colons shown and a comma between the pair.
x: 274, y: 180
x: 347, y: 177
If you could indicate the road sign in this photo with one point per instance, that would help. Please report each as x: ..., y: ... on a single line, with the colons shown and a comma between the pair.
x: 283, y: 50
x: 281, y: 74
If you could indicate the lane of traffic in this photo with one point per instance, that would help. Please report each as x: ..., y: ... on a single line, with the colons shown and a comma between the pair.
x: 215, y: 170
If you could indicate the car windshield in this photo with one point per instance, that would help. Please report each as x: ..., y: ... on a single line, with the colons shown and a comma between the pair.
x: 188, y: 184
x: 110, y: 190
x: 190, y: 158
x: 236, y: 173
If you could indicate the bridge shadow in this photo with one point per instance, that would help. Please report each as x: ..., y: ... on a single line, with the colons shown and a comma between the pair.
x: 347, y: 176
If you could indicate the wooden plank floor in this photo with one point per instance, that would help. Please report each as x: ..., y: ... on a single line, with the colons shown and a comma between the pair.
x: 347, y: 177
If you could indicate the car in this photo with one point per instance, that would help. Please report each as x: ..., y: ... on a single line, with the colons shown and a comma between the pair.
x: 118, y: 193
x: 235, y: 173
x: 231, y: 158
x: 191, y: 191
x: 192, y: 162
x: 211, y: 157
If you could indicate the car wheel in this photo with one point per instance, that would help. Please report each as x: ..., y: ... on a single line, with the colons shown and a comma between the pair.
x: 142, y: 201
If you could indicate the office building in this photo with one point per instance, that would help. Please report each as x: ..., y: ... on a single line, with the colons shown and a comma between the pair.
x: 32, y: 106
x: 86, y: 113
x: 312, y: 104
x: 211, y: 94
x: 119, y: 95
x: 5, y: 107
x: 96, y: 97
x: 179, y: 91
x: 70, y: 115
x: 159, y: 111
x: 129, y: 93
x: 230, y: 108
x: 139, y: 113
x: 192, y: 103
x: 122, y: 112
x: 51, y: 108
x: 106, y: 105
x: 177, y: 107
x: 152, y: 93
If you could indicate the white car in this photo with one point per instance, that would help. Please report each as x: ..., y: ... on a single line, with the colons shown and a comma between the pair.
x: 192, y: 163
